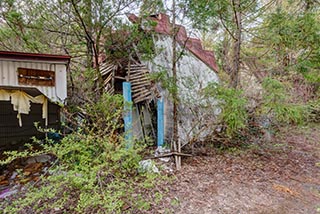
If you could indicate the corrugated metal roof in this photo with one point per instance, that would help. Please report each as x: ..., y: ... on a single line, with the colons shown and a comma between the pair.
x: 194, y: 45
x: 34, y: 56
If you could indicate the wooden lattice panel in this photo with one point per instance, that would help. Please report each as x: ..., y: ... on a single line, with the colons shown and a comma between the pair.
x: 137, y: 74
x: 140, y: 83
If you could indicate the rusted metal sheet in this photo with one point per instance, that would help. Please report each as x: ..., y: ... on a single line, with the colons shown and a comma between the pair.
x: 36, y: 77
x: 34, y: 56
x: 164, y: 26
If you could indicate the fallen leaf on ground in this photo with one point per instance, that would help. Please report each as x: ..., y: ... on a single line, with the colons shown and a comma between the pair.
x: 285, y: 189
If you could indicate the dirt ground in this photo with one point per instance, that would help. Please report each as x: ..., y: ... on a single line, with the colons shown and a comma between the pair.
x: 281, y: 177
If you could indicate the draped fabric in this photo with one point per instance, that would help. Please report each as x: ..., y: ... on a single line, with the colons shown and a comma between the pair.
x: 21, y: 102
x: 4, y: 95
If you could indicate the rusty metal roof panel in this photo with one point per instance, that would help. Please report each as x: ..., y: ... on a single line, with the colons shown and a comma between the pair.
x: 34, y: 56
x: 194, y: 45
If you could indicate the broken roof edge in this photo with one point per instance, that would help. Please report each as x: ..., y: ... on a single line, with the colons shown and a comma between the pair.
x: 33, y: 91
x: 34, y: 56
x: 194, y: 45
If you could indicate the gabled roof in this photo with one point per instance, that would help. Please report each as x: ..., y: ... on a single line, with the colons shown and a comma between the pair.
x: 164, y: 26
x: 34, y: 56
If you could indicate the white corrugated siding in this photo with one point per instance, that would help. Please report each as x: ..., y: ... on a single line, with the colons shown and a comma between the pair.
x: 9, y: 77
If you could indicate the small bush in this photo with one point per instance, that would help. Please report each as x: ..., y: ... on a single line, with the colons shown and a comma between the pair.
x: 276, y: 103
x: 314, y: 109
x: 96, y: 172
x: 232, y: 104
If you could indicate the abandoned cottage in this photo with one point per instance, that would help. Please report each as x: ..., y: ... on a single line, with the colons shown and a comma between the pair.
x: 152, y: 112
x: 33, y: 87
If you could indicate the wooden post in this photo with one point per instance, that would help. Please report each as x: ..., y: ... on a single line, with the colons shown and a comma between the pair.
x: 160, y: 122
x: 126, y: 87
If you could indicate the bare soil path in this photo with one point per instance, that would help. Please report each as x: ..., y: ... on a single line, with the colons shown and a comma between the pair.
x: 282, y: 177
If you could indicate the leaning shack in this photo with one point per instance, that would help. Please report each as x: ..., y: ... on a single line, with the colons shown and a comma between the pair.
x: 33, y: 87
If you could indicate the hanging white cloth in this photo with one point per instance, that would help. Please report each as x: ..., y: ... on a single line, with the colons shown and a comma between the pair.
x: 21, y: 103
x: 4, y: 95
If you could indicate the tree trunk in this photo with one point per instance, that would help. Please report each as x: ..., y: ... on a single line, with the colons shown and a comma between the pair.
x: 89, y: 43
x: 226, y: 65
x: 237, y: 44
x: 176, y: 144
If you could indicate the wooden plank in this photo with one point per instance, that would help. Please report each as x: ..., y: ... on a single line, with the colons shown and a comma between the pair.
x: 137, y: 65
x: 137, y: 75
x: 140, y: 99
x: 145, y: 82
x: 142, y: 78
x: 136, y: 68
x: 138, y: 87
x: 138, y: 81
x: 106, y: 67
x: 105, y: 71
x: 27, y: 76
x: 110, y: 90
x: 133, y: 72
x: 108, y: 79
x: 139, y: 71
x: 145, y: 92
x: 141, y: 95
x: 141, y: 89
x: 118, y: 77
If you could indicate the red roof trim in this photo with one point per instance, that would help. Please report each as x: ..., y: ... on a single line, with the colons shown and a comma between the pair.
x: 34, y: 56
x: 192, y: 44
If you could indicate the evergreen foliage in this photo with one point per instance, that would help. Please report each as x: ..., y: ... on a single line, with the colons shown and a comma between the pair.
x: 232, y: 103
x: 276, y: 103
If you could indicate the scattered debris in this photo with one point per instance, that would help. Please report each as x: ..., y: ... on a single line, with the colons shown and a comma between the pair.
x: 161, y: 151
x: 285, y: 189
x: 148, y: 166
x: 39, y: 159
x: 22, y: 171
x: 8, y: 191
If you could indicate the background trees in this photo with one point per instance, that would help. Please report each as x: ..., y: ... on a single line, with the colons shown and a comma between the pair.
x: 267, y: 36
x: 78, y: 28
x: 258, y: 38
x: 276, y: 42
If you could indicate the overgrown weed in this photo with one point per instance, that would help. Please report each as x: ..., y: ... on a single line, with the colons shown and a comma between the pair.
x: 96, y: 172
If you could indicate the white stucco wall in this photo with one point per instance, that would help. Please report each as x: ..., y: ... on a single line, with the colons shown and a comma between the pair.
x: 193, y: 76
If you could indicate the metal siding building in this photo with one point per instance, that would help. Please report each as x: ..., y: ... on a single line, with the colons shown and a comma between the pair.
x: 10, y: 63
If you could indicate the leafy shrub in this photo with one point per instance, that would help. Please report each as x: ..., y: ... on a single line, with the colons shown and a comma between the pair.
x: 314, y: 109
x: 276, y: 102
x: 96, y: 172
x: 232, y: 103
